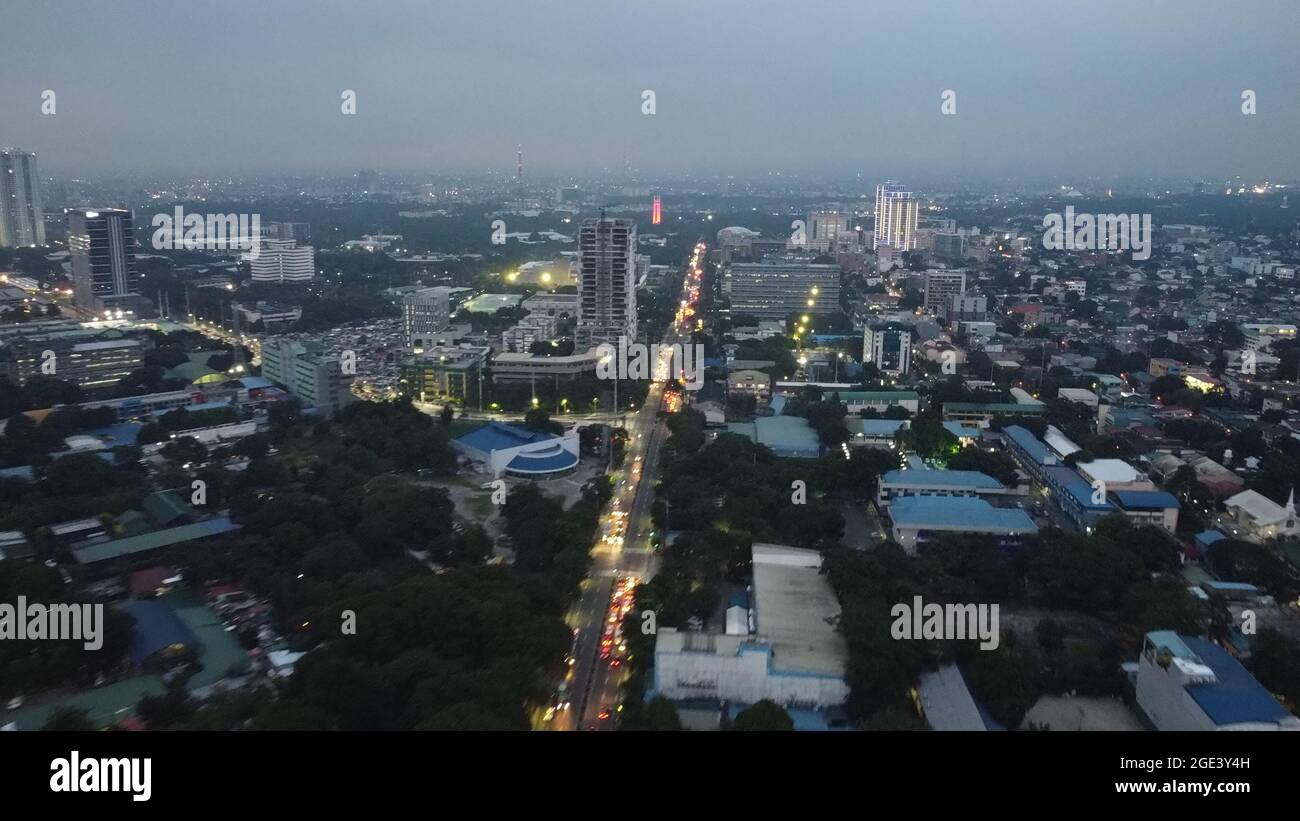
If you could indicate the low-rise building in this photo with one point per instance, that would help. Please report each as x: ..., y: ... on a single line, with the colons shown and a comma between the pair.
x: 1255, y: 517
x: 795, y: 656
x: 898, y: 484
x: 501, y: 449
x: 919, y: 519
x: 1190, y: 683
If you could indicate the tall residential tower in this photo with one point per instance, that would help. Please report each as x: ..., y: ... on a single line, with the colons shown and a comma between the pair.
x: 896, y: 213
x: 606, y: 281
x: 22, y: 222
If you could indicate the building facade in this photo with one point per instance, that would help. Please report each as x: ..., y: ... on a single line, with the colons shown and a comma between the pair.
x: 101, y: 243
x: 22, y: 220
x: 606, y: 281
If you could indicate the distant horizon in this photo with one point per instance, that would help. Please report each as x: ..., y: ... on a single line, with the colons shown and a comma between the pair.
x: 1026, y: 89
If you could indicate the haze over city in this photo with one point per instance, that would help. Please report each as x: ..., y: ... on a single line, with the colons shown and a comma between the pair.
x: 1104, y: 90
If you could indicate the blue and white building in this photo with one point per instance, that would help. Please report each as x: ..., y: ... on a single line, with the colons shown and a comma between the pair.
x: 897, y: 484
x: 1190, y: 683
x: 919, y: 519
x: 517, y: 451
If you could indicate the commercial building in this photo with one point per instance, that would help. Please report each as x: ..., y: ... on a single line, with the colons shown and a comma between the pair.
x: 968, y: 308
x: 777, y: 288
x: 794, y: 655
x: 443, y: 373
x: 101, y: 243
x: 309, y: 373
x: 941, y: 288
x: 950, y: 246
x: 22, y: 220
x: 424, y: 313
x: 1190, y: 683
x: 501, y: 449
x: 824, y: 229
x: 90, y: 359
x: 526, y: 367
x: 896, y: 213
x: 888, y: 345
x: 606, y: 281
x: 281, y: 261
x: 749, y: 383
x: 920, y: 519
x: 528, y: 331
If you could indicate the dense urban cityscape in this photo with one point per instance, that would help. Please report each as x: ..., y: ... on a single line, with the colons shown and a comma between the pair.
x: 644, y: 448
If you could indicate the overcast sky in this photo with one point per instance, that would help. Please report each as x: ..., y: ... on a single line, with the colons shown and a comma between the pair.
x: 1097, y: 88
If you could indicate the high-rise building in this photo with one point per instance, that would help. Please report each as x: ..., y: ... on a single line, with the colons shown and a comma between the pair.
x: 279, y: 261
x: 425, y: 313
x: 299, y: 232
x: 774, y: 288
x: 888, y: 345
x: 968, y: 308
x: 307, y: 372
x: 896, y: 214
x: 949, y: 246
x: 22, y: 222
x: 940, y: 288
x: 606, y: 281
x: 824, y: 229
x: 102, y: 246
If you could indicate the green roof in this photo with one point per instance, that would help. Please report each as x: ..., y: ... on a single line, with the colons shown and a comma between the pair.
x: 165, y: 507
x: 151, y: 541
x: 133, y: 523
x: 219, y: 650
x: 991, y: 407
x: 874, y: 396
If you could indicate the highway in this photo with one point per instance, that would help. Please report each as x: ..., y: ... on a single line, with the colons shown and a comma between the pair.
x: 593, y: 684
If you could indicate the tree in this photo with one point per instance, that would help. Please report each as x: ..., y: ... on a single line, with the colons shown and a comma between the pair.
x: 765, y: 716
x: 72, y: 719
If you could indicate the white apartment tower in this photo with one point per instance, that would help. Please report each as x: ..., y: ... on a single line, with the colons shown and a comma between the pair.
x: 896, y: 213
x: 606, y: 281
x: 280, y: 261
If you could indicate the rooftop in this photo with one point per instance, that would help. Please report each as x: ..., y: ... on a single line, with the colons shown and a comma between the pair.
x: 941, y: 478
x: 797, y: 610
x: 959, y: 513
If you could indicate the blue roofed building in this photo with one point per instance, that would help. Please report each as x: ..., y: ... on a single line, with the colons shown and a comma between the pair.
x: 1151, y: 507
x: 502, y: 449
x: 1075, y: 496
x: 1190, y: 683
x: 919, y: 519
x: 1206, y: 539
x: 158, y: 638
x: 1031, y: 453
